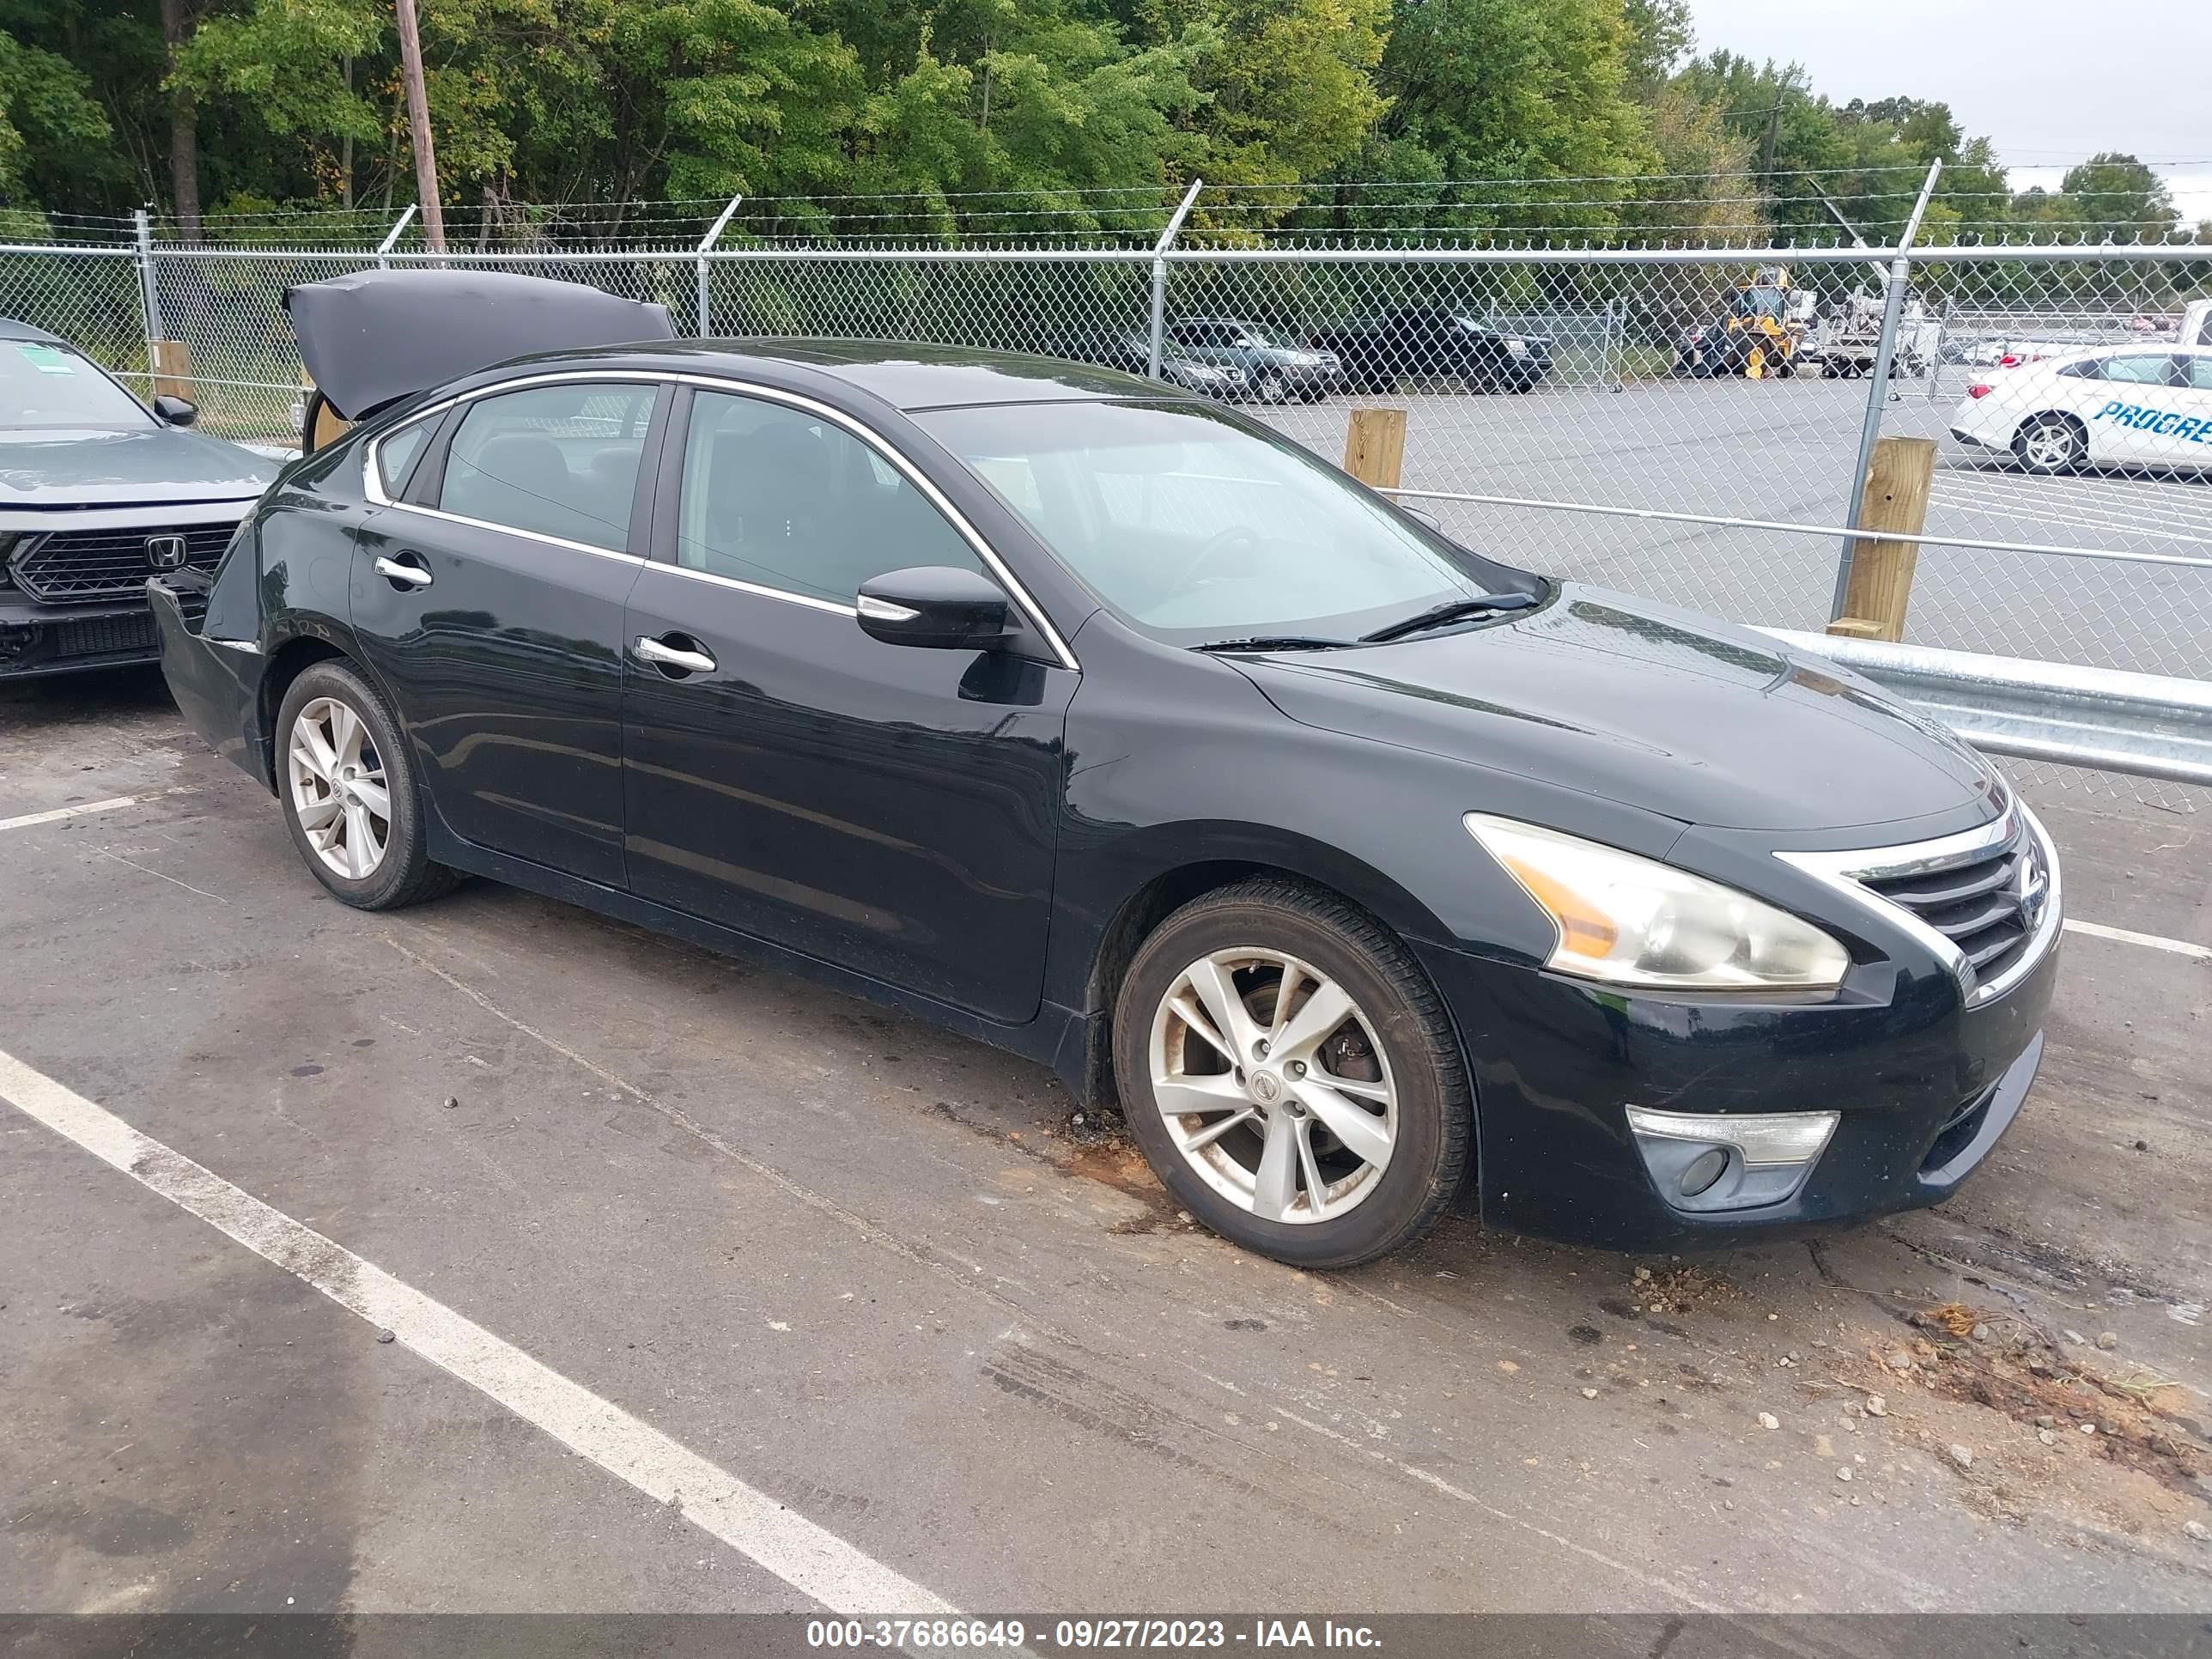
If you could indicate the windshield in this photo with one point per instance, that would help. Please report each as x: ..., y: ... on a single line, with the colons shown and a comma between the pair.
x: 1199, y: 529
x: 44, y: 386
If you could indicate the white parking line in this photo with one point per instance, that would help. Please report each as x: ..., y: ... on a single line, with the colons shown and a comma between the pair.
x: 817, y: 1563
x: 86, y: 808
x: 2127, y: 936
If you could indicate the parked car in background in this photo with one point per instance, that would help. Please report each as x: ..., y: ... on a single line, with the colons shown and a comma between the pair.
x: 1276, y: 369
x: 97, y: 490
x: 1130, y: 350
x: 2128, y: 406
x: 1087, y: 717
x: 1424, y: 343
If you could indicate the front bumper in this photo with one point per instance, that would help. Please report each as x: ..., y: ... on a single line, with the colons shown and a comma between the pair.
x: 66, y: 639
x: 1923, y: 1085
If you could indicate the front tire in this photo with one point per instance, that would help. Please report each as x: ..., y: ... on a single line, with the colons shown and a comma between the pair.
x: 1291, y: 1077
x: 2050, y: 443
x: 1272, y: 388
x: 347, y: 786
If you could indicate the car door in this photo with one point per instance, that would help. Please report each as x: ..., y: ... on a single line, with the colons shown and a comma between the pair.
x: 2192, y: 438
x: 887, y: 809
x: 488, y: 598
x: 2142, y: 400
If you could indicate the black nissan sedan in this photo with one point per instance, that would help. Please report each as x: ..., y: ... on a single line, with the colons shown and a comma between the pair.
x: 1089, y: 719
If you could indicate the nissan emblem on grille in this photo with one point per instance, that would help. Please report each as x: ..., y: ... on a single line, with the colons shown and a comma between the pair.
x: 165, y: 552
x: 2034, y: 890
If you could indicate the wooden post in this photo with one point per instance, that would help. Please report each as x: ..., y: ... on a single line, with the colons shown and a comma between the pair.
x: 172, y: 369
x: 1894, y: 497
x: 1375, y: 446
x: 329, y: 428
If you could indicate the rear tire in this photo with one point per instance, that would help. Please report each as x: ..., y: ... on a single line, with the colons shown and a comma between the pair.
x: 2047, y: 444
x: 346, y: 784
x: 1252, y: 1158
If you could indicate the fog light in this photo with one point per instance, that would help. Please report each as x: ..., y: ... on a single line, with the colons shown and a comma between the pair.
x: 1704, y: 1161
x: 1704, y: 1169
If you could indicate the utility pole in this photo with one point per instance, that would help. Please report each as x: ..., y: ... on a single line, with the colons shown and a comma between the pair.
x: 1766, y: 150
x: 418, y: 127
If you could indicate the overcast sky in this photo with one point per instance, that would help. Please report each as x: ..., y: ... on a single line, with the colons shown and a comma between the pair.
x: 2050, y: 82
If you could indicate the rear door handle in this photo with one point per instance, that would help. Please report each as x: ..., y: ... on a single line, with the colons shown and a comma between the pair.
x: 662, y: 655
x: 413, y: 575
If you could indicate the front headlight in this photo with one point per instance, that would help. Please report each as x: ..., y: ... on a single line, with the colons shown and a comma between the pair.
x: 1631, y: 920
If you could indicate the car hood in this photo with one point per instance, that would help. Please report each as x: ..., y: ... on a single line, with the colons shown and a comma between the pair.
x: 1647, y: 705
x: 89, y: 467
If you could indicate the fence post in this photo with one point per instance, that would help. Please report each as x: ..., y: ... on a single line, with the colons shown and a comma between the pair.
x: 149, y: 297
x: 391, y: 237
x: 1895, y: 498
x: 706, y: 282
x: 1616, y: 341
x: 1892, y: 311
x: 1942, y: 339
x: 1375, y: 446
x: 1160, y: 276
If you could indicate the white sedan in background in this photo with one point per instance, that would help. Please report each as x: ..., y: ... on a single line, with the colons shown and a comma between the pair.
x: 2130, y: 405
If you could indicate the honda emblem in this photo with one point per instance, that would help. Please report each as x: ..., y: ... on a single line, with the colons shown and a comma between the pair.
x: 165, y: 552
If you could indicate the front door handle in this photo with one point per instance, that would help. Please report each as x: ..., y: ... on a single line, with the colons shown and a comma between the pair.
x: 663, y: 655
x: 411, y: 574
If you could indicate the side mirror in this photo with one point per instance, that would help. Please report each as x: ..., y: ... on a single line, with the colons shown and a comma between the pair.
x: 935, y: 605
x: 174, y: 411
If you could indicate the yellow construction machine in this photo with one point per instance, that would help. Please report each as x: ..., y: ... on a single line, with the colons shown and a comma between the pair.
x: 1761, y: 334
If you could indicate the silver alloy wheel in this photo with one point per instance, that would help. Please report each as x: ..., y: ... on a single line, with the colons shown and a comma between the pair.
x: 338, y: 788
x: 2048, y: 444
x: 1274, y: 1085
x: 1273, y: 388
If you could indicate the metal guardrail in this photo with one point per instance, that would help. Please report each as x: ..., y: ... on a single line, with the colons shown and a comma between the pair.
x: 2147, y: 726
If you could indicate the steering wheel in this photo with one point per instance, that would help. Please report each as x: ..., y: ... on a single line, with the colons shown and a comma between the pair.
x: 1235, y: 535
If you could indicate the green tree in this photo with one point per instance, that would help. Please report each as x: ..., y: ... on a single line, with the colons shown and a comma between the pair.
x: 1517, y: 89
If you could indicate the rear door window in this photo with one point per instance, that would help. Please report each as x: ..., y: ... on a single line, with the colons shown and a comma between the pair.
x: 2140, y: 370
x: 552, y: 460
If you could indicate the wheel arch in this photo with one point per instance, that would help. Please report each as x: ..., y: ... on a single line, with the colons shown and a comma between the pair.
x: 1174, y: 879
x: 318, y: 640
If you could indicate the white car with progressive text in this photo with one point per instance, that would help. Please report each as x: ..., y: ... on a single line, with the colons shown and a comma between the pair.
x: 2131, y: 406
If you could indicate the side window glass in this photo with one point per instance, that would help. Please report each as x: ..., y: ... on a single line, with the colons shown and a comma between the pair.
x: 2140, y: 371
x: 2092, y: 370
x: 775, y: 496
x: 557, y: 460
x: 2200, y: 373
x: 398, y: 451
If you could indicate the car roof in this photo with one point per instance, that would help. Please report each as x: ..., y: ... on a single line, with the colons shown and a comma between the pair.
x: 903, y: 374
x: 12, y: 330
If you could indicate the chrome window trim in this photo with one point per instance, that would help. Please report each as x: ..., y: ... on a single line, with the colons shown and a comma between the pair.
x: 1844, y: 873
x: 373, y: 488
x: 809, y: 600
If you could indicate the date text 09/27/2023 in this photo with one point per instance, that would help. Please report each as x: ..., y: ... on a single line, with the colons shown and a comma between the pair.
x: 948, y: 1634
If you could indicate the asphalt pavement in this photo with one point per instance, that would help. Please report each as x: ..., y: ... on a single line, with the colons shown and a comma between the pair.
x: 708, y: 1289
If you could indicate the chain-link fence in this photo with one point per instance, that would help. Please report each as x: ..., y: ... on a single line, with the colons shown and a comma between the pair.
x: 1690, y: 424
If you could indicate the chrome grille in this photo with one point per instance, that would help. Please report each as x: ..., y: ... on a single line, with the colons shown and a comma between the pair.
x: 1981, y: 902
x: 1989, y: 895
x: 66, y: 567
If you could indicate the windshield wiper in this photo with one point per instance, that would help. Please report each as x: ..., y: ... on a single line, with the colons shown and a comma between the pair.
x: 1451, y: 611
x: 1276, y: 642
